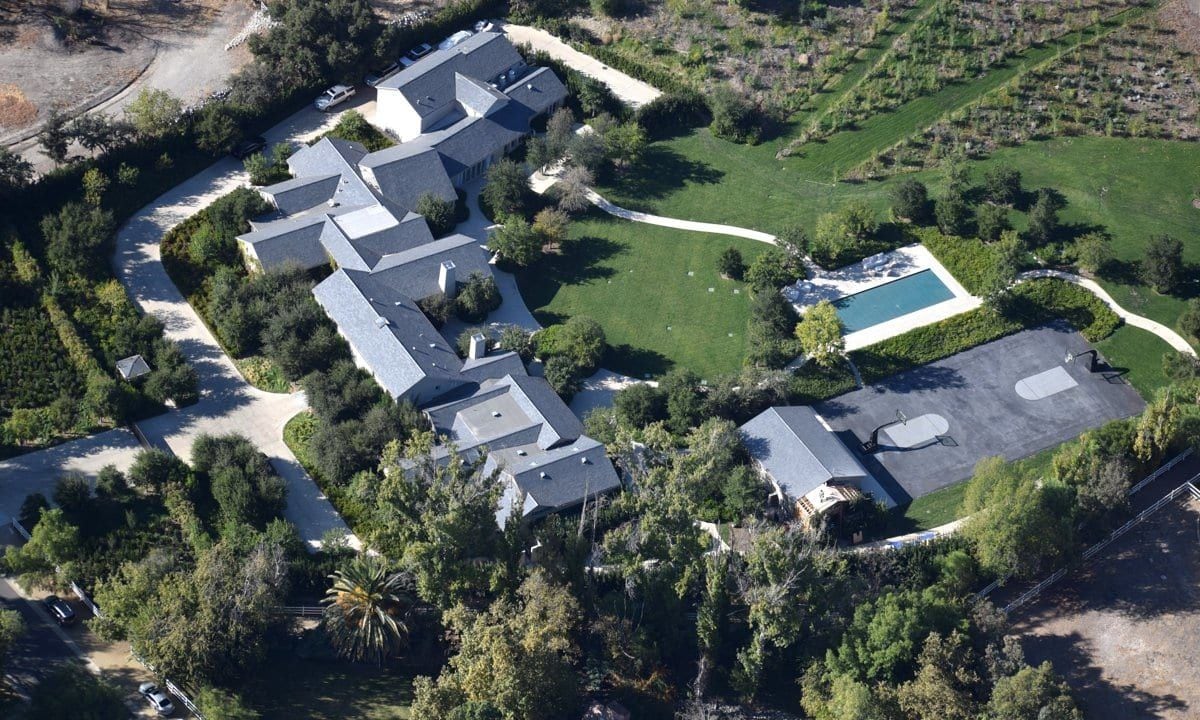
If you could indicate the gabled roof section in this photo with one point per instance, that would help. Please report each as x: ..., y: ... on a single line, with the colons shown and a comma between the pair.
x: 552, y: 480
x: 301, y: 193
x: 390, y: 334
x: 428, y: 84
x: 535, y: 395
x: 471, y: 140
x: 538, y: 91
x: 798, y: 451
x: 513, y: 410
x: 415, y: 272
x: 477, y: 98
x: 331, y: 156
x: 405, y: 172
x: 491, y: 367
x: 291, y: 240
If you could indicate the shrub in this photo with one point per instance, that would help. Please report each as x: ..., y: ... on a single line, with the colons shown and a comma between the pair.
x: 952, y: 213
x: 1002, y: 184
x: 477, y: 297
x: 440, y: 214
x: 1163, y: 263
x: 842, y: 236
x: 438, y: 308
x: 731, y: 264
x: 580, y: 340
x: 770, y: 271
x: 1043, y: 216
x: 354, y: 127
x: 734, y: 118
x: 1092, y: 251
x: 992, y: 221
x: 910, y: 200
x: 1189, y: 320
x: 673, y: 112
x: 516, y: 242
x: 563, y: 376
x: 506, y: 191
x: 640, y: 404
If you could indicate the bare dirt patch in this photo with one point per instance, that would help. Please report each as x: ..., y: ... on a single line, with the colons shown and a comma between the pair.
x: 1123, y: 631
x: 15, y: 109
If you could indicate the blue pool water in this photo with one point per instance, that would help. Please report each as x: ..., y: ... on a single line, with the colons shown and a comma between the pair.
x: 886, y: 302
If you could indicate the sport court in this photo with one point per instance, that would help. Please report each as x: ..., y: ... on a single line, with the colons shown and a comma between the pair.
x: 1012, y: 397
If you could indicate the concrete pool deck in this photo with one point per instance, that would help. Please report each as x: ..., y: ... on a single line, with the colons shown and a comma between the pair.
x: 874, y: 272
x: 978, y: 404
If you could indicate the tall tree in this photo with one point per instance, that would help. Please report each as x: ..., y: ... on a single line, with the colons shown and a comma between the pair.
x: 365, y: 607
x: 820, y: 334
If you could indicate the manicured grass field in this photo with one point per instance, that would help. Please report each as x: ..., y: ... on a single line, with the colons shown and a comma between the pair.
x: 633, y: 279
x: 1140, y: 353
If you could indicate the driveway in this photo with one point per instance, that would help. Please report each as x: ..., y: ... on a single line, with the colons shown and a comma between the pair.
x: 632, y: 91
x: 38, y: 471
x: 228, y: 403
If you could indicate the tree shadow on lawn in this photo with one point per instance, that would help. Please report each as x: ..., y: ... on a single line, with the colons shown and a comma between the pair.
x: 661, y: 172
x: 578, y: 263
x: 636, y: 362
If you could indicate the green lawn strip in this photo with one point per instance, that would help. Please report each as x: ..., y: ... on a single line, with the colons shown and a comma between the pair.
x: 1138, y: 352
x: 633, y: 279
x: 296, y: 435
x: 288, y: 686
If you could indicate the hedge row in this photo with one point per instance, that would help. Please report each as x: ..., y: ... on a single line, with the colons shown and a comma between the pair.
x: 967, y: 259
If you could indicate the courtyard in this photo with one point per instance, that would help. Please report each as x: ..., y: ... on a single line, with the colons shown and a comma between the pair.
x: 1012, y: 398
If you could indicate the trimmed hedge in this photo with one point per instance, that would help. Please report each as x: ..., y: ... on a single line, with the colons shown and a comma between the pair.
x: 967, y: 259
x: 812, y: 383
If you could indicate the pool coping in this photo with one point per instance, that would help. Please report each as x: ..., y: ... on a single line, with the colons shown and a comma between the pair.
x: 854, y: 279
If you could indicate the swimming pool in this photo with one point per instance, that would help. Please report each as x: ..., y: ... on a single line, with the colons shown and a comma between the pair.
x: 887, y: 302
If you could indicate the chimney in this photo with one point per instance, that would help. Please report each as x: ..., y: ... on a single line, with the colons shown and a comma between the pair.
x: 478, y: 347
x: 446, y: 280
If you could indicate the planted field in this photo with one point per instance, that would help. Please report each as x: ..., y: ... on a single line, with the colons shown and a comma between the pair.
x: 634, y: 280
x: 34, y: 367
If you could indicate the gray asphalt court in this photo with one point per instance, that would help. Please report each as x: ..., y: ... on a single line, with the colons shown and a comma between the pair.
x: 1012, y: 397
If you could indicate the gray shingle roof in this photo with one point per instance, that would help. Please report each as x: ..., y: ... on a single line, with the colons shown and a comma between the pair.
x: 513, y: 410
x: 415, y: 272
x: 295, y: 240
x: 367, y: 235
x: 405, y: 172
x: 477, y: 97
x: 334, y: 155
x: 390, y: 334
x: 796, y: 450
x: 537, y: 91
x: 133, y: 367
x: 493, y: 366
x: 552, y: 480
x: 301, y: 193
x: 428, y: 84
x: 471, y: 140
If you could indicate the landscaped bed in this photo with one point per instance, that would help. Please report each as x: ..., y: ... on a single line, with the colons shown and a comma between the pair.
x: 634, y: 280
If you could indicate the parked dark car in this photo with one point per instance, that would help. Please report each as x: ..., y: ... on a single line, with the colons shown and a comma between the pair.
x: 248, y: 147
x: 59, y: 610
x: 420, y: 51
x: 378, y: 75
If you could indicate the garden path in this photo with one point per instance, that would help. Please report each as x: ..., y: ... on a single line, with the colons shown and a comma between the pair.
x: 1171, y: 337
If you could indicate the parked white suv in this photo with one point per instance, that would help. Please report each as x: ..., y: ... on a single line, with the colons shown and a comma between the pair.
x: 333, y: 97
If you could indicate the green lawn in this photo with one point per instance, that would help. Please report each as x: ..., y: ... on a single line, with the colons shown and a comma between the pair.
x: 633, y: 279
x: 1139, y: 353
x: 287, y: 686
x: 943, y: 506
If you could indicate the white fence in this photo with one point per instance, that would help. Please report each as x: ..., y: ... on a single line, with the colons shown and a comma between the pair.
x: 86, y: 600
x: 1164, y: 469
x: 1091, y: 552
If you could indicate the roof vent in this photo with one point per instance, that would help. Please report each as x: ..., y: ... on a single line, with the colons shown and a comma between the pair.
x: 521, y: 453
x: 585, y: 461
x: 433, y: 345
x: 543, y: 474
x: 333, y: 203
x: 381, y: 321
x: 495, y: 413
x: 529, y: 87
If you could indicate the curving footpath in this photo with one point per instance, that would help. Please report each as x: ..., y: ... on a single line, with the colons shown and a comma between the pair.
x: 1168, y: 335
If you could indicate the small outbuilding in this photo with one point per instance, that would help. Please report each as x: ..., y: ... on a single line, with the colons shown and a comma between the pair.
x: 133, y: 367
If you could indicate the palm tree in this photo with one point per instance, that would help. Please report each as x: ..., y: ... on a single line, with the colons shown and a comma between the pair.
x: 365, y: 610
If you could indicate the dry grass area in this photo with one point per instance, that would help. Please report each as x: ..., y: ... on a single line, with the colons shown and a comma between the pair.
x: 1123, y: 631
x: 15, y: 109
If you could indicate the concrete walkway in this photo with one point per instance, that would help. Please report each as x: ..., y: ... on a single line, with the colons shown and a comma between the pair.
x: 1168, y: 335
x: 692, y: 225
x: 634, y: 92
